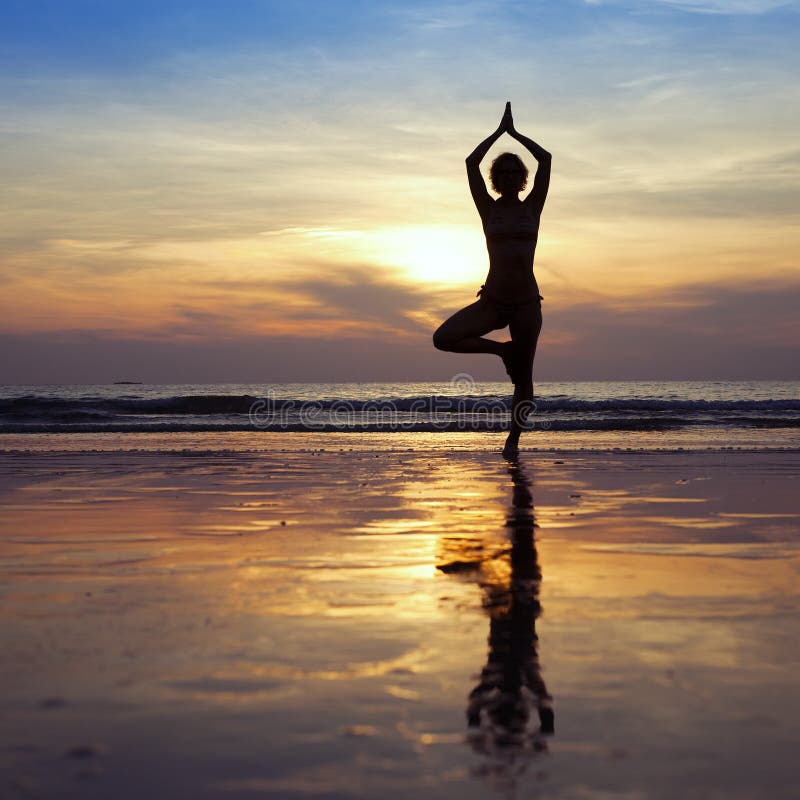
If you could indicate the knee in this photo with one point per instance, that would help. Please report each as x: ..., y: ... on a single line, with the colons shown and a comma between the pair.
x: 441, y: 341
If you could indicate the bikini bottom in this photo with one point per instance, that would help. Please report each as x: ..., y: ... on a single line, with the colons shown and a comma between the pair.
x: 506, y: 311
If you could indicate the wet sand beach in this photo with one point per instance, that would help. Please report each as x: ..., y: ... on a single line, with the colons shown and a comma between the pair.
x: 395, y: 623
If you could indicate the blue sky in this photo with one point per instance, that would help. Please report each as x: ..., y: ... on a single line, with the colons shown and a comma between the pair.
x: 181, y: 173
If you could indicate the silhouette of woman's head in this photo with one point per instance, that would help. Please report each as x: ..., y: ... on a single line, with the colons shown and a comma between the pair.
x: 508, y: 174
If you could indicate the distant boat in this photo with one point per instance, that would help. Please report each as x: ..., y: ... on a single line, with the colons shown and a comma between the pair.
x: 127, y: 383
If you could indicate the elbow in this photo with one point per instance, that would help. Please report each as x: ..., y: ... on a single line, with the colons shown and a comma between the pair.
x: 548, y: 157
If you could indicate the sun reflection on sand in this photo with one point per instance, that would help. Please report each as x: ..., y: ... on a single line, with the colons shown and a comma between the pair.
x: 317, y: 622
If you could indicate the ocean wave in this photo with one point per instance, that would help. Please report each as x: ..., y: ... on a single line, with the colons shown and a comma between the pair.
x: 33, y: 406
x: 85, y: 411
x: 48, y: 408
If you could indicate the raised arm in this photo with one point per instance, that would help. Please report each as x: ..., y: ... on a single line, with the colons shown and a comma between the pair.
x: 541, y: 182
x: 480, y: 194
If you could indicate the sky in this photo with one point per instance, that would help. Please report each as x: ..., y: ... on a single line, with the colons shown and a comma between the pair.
x: 260, y: 191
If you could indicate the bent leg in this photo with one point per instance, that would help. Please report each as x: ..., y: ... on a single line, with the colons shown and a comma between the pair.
x: 464, y: 332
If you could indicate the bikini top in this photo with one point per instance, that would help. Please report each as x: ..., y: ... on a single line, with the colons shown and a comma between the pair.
x: 511, y: 225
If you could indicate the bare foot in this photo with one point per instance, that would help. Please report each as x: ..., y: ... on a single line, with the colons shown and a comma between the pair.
x: 511, y: 447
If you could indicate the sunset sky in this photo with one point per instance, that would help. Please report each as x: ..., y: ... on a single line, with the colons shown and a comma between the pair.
x: 272, y: 191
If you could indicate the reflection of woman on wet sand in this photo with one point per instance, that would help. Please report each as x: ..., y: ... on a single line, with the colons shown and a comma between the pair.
x: 511, y: 696
x: 511, y: 683
x: 510, y: 295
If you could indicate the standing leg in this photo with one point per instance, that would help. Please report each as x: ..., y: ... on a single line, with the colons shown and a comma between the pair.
x: 525, y: 328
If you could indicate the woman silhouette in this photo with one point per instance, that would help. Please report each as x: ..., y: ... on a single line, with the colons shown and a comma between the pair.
x: 510, y: 295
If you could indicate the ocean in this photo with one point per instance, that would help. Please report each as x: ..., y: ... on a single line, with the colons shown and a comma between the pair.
x: 583, y: 415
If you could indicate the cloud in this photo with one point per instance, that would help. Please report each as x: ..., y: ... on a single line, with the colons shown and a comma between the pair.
x: 703, y: 331
x: 747, y: 7
x: 357, y: 294
x: 136, y: 201
x: 438, y: 16
x: 728, y: 6
x: 216, y: 144
x: 698, y: 332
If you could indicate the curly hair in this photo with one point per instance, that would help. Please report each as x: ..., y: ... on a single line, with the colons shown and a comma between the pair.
x: 508, y: 157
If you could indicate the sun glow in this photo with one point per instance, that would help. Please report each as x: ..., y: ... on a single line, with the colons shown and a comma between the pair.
x: 453, y: 254
x: 434, y: 254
